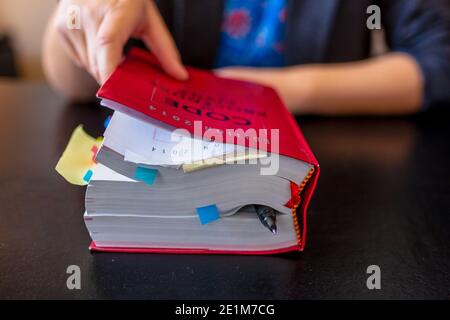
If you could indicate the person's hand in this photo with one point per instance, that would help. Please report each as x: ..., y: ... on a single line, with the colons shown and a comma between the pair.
x: 106, y: 26
x: 294, y: 84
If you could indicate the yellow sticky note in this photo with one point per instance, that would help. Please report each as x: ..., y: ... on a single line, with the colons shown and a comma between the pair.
x: 77, y: 159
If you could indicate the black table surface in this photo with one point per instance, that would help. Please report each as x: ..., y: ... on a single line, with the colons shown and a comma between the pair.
x: 383, y: 199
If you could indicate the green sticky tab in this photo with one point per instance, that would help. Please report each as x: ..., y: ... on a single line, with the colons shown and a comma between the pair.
x: 146, y: 175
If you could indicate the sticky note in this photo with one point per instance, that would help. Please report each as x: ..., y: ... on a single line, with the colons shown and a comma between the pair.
x: 77, y: 157
x: 208, y: 214
x: 146, y: 175
x: 87, y: 177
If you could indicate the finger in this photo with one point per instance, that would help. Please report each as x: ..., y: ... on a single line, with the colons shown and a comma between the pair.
x: 92, y: 56
x: 92, y: 27
x: 78, y: 43
x: 263, y: 76
x: 157, y: 37
x: 58, y: 19
x: 113, y: 33
x: 61, y: 29
x: 70, y: 50
x: 248, y: 74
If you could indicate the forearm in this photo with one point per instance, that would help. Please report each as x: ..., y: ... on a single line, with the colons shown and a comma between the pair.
x: 388, y: 85
x: 62, y: 73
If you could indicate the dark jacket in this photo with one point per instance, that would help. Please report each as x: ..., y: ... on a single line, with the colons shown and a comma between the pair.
x: 328, y: 31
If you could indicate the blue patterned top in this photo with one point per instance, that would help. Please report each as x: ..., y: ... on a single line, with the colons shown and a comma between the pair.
x: 252, y: 33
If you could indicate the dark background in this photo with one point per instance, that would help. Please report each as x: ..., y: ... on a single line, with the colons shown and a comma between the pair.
x: 383, y: 198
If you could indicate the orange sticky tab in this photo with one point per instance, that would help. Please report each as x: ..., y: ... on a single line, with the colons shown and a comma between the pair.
x: 94, y: 151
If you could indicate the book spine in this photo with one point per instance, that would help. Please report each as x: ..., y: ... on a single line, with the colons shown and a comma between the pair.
x: 296, y: 205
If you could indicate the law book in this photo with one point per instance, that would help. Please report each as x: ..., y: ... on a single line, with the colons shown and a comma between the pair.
x: 177, y: 152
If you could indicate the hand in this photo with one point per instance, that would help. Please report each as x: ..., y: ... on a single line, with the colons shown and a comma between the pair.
x: 106, y: 26
x: 293, y: 84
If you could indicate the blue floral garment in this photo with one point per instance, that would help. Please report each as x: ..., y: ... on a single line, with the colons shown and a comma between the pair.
x: 252, y: 33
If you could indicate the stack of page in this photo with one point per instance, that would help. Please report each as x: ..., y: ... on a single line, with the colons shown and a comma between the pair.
x: 209, y: 165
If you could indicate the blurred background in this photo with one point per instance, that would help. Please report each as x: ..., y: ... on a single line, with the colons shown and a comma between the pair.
x: 22, y: 25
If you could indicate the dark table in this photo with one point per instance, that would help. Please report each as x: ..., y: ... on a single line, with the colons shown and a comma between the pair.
x: 383, y: 199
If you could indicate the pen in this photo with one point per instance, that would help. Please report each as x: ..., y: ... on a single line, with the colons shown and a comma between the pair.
x: 268, y: 217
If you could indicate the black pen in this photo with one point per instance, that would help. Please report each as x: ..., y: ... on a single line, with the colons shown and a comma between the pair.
x: 268, y: 217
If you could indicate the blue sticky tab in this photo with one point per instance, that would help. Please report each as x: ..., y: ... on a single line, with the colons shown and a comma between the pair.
x: 208, y: 214
x: 107, y: 121
x: 146, y: 175
x: 87, y: 177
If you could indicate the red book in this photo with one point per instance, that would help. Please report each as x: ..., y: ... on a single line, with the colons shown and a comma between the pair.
x: 141, y: 89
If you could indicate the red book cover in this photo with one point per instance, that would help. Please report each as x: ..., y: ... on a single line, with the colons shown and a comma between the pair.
x: 220, y: 104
